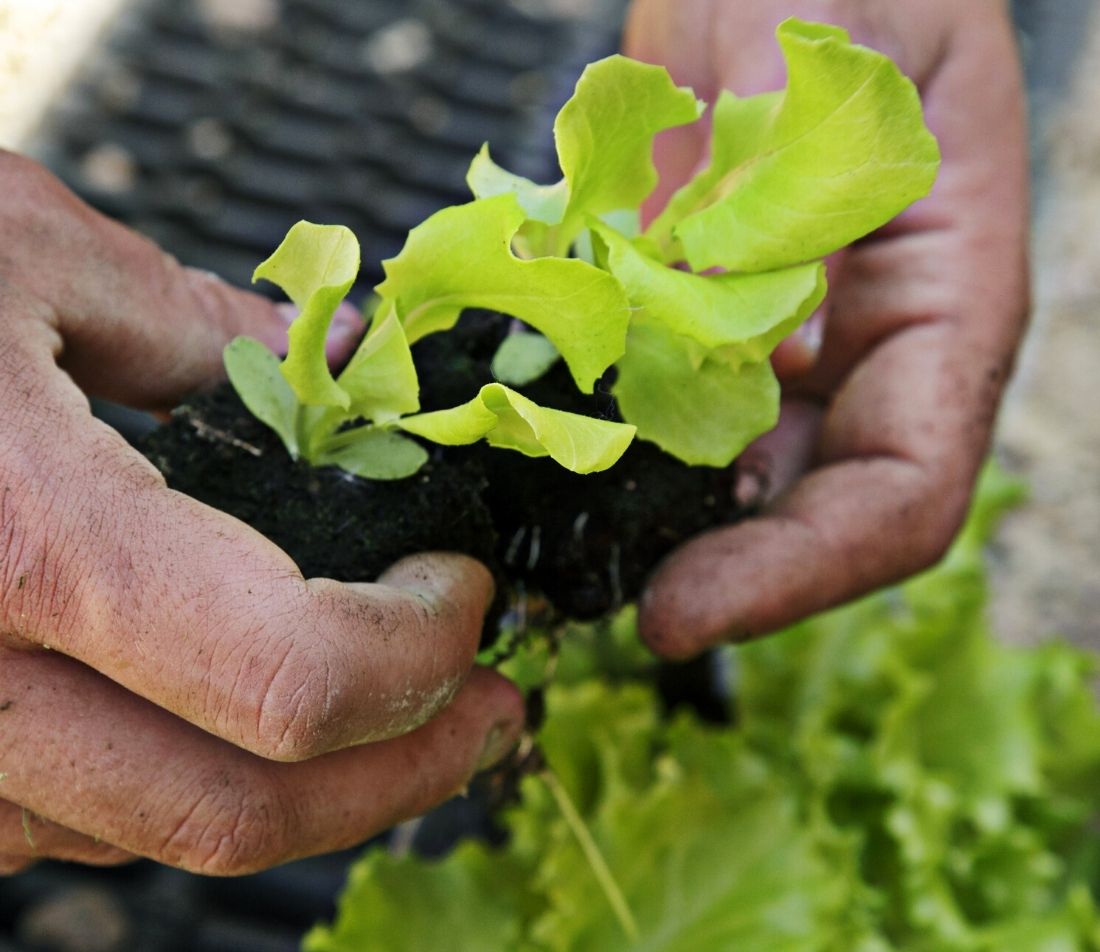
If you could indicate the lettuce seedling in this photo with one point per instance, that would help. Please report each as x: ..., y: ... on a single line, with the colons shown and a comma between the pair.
x: 357, y: 421
x: 793, y: 176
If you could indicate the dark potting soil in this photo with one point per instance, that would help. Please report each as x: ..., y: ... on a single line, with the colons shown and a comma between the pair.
x: 333, y: 524
x: 587, y: 543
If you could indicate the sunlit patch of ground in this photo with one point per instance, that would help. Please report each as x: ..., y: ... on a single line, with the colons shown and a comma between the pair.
x: 41, y: 43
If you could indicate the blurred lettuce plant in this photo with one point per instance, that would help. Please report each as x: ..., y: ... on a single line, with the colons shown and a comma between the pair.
x: 894, y: 779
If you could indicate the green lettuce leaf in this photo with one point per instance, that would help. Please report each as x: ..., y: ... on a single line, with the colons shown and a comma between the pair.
x: 315, y: 266
x: 523, y: 358
x: 544, y: 205
x: 746, y: 315
x: 935, y: 744
x: 794, y: 178
x: 254, y: 372
x: 380, y: 378
x: 373, y: 453
x: 605, y: 133
x: 703, y: 838
x: 739, y: 132
x: 541, y: 203
x: 840, y: 811
x: 477, y: 895
x: 510, y: 421
x: 690, y: 401
x: 461, y: 258
x: 604, y: 137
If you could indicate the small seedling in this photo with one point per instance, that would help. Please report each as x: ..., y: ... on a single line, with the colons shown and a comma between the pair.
x: 687, y: 311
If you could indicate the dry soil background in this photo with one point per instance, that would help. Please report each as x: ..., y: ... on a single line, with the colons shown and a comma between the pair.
x: 1048, y: 560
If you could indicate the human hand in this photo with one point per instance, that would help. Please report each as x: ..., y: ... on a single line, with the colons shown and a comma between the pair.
x: 869, y: 473
x: 170, y: 685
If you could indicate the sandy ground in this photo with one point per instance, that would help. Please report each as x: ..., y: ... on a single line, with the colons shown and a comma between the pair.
x: 42, y: 43
x: 1048, y: 562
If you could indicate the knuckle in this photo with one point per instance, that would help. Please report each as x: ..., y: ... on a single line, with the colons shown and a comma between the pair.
x: 943, y: 528
x: 47, y: 570
x: 207, y: 290
x: 290, y: 707
x: 933, y: 516
x: 950, y: 501
x: 28, y: 189
x: 230, y: 826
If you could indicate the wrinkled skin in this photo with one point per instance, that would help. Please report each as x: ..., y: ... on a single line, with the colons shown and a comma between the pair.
x: 170, y: 685
x: 869, y: 474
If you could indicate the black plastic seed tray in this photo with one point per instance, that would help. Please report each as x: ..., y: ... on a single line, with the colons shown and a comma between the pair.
x: 213, y: 132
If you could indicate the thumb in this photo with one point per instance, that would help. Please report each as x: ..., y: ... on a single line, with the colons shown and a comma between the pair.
x: 135, y: 325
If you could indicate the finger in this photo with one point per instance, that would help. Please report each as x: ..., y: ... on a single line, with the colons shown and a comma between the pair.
x: 941, y: 299
x: 136, y: 326
x: 193, y: 610
x: 96, y: 759
x: 710, y: 46
x: 775, y: 461
x: 652, y: 29
x: 886, y: 504
x: 13, y: 865
x: 212, y: 622
x: 26, y: 838
x: 403, y: 778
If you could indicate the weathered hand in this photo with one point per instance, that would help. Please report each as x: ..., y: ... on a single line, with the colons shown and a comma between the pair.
x: 869, y: 473
x: 170, y: 685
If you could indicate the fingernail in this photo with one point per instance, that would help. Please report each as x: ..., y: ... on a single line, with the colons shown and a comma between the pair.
x: 811, y: 334
x: 286, y: 312
x: 750, y: 489
x: 798, y: 353
x: 498, y: 744
x: 343, y: 333
x: 346, y: 320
